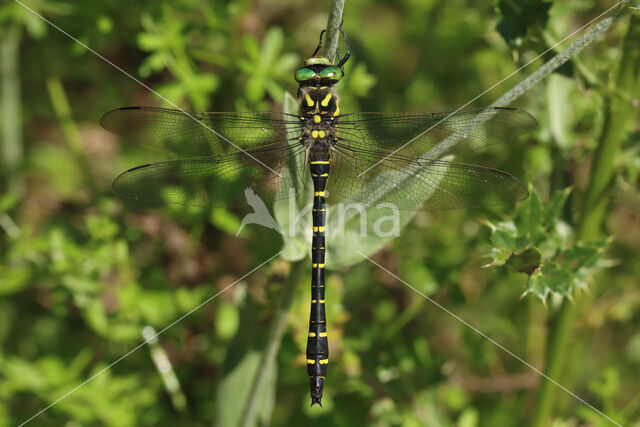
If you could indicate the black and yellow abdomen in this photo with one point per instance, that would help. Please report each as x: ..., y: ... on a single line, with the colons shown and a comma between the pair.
x: 319, y: 109
x: 317, y: 342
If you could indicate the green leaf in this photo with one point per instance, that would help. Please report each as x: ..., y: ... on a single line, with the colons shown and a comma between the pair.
x: 14, y: 279
x: 243, y: 360
x: 225, y: 220
x: 518, y: 16
x: 8, y: 201
x: 266, y: 66
x: 96, y: 316
x: 529, y: 217
x: 537, y: 243
x: 503, y: 236
x: 584, y: 254
x: 558, y: 92
x: 542, y: 282
x: 227, y: 319
x: 553, y: 210
x: 570, y: 270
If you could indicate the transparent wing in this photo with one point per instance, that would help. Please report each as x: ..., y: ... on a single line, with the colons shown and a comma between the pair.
x: 215, y: 181
x: 200, y: 134
x: 221, y: 156
x: 420, y: 184
x: 434, y: 134
x: 406, y: 159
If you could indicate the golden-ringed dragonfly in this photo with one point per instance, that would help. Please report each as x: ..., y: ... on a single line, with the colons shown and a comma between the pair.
x: 413, y: 161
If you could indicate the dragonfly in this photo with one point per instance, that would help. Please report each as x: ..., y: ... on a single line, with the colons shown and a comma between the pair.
x: 412, y: 160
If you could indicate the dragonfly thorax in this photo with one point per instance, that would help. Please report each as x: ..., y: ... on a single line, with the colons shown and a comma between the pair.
x: 318, y: 108
x: 321, y: 100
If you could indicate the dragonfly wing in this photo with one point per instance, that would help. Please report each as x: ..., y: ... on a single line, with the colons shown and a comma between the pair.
x: 375, y: 177
x: 435, y: 134
x: 201, y: 134
x: 217, y: 181
x: 406, y: 159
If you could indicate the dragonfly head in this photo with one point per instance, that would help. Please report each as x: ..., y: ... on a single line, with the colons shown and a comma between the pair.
x: 318, y: 71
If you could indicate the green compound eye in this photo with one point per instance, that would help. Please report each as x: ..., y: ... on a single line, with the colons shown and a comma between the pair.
x: 303, y: 74
x: 331, y: 73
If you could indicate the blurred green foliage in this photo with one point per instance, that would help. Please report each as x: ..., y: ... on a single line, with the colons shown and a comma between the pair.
x: 82, y: 272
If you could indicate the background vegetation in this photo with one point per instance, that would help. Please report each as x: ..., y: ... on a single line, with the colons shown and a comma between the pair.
x: 83, y: 274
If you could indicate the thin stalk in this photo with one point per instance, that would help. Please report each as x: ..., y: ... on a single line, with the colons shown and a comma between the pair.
x: 273, y: 343
x: 618, y: 115
x: 11, y: 150
x: 61, y: 107
x: 332, y: 36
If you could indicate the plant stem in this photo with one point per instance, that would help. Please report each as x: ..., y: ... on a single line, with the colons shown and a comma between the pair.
x: 332, y: 36
x: 11, y: 151
x: 273, y: 344
x: 618, y: 115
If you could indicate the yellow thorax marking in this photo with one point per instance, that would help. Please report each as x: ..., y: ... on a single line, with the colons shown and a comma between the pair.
x: 309, y: 100
x: 325, y: 101
x: 321, y: 133
x: 314, y: 134
x: 317, y: 118
x: 337, y: 112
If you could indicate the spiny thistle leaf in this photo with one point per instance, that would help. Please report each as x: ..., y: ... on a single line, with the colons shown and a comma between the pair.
x: 537, y: 242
